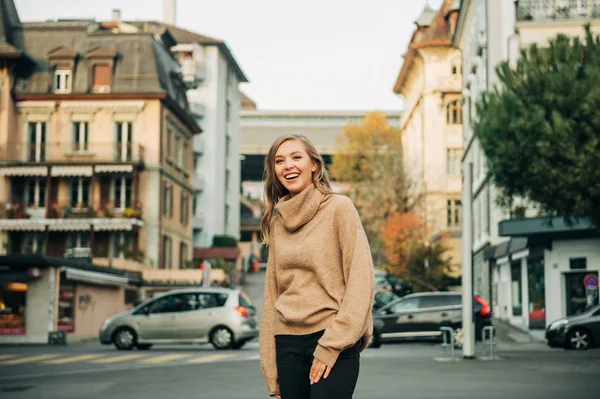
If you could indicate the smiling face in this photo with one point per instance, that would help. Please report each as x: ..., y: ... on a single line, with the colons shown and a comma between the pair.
x: 293, y: 166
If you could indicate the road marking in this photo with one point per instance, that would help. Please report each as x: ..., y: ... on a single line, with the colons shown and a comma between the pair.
x: 116, y: 359
x: 28, y: 359
x: 257, y: 357
x: 72, y: 359
x: 2, y: 357
x: 209, y: 359
x: 162, y: 359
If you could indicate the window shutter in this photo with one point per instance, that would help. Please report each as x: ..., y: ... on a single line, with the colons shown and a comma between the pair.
x: 102, y: 75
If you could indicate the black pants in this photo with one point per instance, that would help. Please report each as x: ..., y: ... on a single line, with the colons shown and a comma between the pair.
x: 294, y: 360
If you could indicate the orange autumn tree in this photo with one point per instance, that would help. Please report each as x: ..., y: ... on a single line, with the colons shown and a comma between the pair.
x: 369, y: 159
x: 410, y: 256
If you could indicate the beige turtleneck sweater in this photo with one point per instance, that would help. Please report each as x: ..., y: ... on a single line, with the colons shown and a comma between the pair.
x: 319, y: 277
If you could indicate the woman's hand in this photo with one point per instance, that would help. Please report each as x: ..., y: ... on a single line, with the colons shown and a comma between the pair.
x: 277, y: 396
x: 317, y: 370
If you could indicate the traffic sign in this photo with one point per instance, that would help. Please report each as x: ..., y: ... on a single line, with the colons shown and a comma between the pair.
x: 590, y: 281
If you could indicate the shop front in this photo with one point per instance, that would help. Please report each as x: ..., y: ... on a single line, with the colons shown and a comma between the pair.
x: 545, y: 271
x: 42, y: 294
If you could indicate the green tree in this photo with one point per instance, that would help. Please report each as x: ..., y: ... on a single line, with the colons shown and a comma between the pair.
x: 369, y: 158
x: 540, y: 127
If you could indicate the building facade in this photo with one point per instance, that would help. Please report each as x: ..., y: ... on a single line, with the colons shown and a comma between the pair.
x: 430, y: 83
x: 531, y: 274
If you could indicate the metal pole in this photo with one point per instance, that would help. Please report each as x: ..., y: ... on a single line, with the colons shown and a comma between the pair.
x: 467, y: 263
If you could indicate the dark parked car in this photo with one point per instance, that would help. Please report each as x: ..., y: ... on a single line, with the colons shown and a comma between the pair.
x: 422, y: 315
x: 383, y: 297
x: 576, y: 332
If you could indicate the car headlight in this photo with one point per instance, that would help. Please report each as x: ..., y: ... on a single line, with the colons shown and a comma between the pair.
x: 558, y: 323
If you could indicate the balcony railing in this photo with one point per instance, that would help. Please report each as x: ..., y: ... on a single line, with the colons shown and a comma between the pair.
x: 81, y: 210
x: 548, y: 10
x: 92, y: 152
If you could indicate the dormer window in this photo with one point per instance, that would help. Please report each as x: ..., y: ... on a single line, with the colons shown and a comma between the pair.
x: 63, y: 79
x: 62, y: 61
x: 101, y: 61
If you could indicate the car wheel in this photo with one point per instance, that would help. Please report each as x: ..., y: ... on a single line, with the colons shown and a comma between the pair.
x: 375, y: 341
x: 144, y: 347
x: 579, y: 338
x: 221, y: 338
x: 238, y: 345
x: 124, y: 339
x: 459, y: 337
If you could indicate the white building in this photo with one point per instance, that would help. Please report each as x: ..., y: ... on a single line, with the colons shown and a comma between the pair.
x: 532, y: 273
x: 214, y: 77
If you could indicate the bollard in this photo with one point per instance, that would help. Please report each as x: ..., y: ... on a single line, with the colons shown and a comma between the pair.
x: 488, y: 340
x: 448, y: 331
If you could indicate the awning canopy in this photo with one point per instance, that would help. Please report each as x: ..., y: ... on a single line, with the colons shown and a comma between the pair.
x: 71, y: 170
x: 24, y: 171
x: 113, y: 168
x: 115, y: 224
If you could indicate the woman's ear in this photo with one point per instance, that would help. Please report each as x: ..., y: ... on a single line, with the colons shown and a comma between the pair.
x: 314, y: 167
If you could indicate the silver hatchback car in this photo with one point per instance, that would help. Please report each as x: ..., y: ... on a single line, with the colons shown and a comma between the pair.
x: 224, y: 317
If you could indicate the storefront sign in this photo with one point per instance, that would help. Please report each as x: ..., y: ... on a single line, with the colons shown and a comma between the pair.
x: 12, y: 330
x: 591, y: 282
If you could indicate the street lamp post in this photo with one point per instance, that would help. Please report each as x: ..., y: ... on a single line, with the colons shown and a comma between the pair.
x: 467, y: 263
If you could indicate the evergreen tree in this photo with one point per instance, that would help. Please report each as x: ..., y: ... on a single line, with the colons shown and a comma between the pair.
x: 540, y: 127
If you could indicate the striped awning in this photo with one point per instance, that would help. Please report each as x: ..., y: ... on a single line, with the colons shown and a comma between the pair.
x: 113, y: 168
x: 117, y: 224
x: 23, y: 171
x: 72, y: 170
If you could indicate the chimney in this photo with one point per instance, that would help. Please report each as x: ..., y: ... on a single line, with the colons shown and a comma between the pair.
x: 116, y: 15
x: 170, y: 11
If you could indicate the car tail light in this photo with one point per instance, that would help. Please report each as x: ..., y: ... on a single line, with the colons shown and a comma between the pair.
x: 242, y: 311
x: 485, y: 308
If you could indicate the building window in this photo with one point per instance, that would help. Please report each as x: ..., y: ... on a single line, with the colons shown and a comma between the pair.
x: 37, y: 142
x: 78, y: 240
x: 226, y: 216
x: 122, y: 191
x: 454, y: 69
x: 516, y: 281
x: 33, y: 243
x: 80, y: 136
x: 80, y: 192
x: 454, y: 215
x: 177, y: 149
x: 124, y: 138
x: 183, y: 255
x: 122, y: 245
x: 185, y: 208
x: 166, y: 253
x: 184, y: 154
x: 227, y: 145
x: 101, y: 78
x: 227, y: 110
x: 167, y: 199
x: 453, y: 160
x: 62, y: 80
x: 169, y: 143
x: 454, y: 113
x: 35, y: 193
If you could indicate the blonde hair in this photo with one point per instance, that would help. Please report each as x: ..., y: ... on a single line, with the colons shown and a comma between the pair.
x: 274, y: 190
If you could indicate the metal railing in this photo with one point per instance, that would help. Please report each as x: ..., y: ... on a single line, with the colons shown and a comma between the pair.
x: 73, y: 152
x: 548, y: 10
x: 67, y: 210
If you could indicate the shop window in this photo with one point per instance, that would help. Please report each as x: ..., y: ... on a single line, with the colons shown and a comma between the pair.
x: 537, y: 294
x: 13, y: 298
x: 515, y: 286
x: 122, y: 246
x: 66, y: 304
x: 78, y: 240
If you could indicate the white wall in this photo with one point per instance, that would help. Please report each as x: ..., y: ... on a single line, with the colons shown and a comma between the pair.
x: 557, y: 265
x: 213, y: 93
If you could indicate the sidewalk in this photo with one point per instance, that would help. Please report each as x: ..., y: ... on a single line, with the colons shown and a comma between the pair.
x: 507, y: 333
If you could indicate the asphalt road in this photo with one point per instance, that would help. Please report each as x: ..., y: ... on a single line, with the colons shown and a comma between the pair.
x: 402, y: 370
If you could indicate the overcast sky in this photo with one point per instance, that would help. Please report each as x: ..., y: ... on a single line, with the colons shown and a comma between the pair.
x: 309, y: 54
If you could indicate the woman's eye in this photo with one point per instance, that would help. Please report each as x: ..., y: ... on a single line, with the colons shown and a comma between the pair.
x: 277, y: 162
x: 297, y: 157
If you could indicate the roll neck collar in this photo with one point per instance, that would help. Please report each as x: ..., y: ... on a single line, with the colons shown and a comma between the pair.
x: 300, y: 209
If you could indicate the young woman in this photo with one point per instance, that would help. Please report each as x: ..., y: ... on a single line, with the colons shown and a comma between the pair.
x: 319, y: 284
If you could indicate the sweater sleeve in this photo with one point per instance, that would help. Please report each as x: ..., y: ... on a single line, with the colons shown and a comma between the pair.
x: 354, y: 316
x: 267, y: 327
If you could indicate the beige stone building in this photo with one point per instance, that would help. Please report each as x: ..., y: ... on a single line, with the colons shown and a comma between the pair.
x: 430, y: 83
